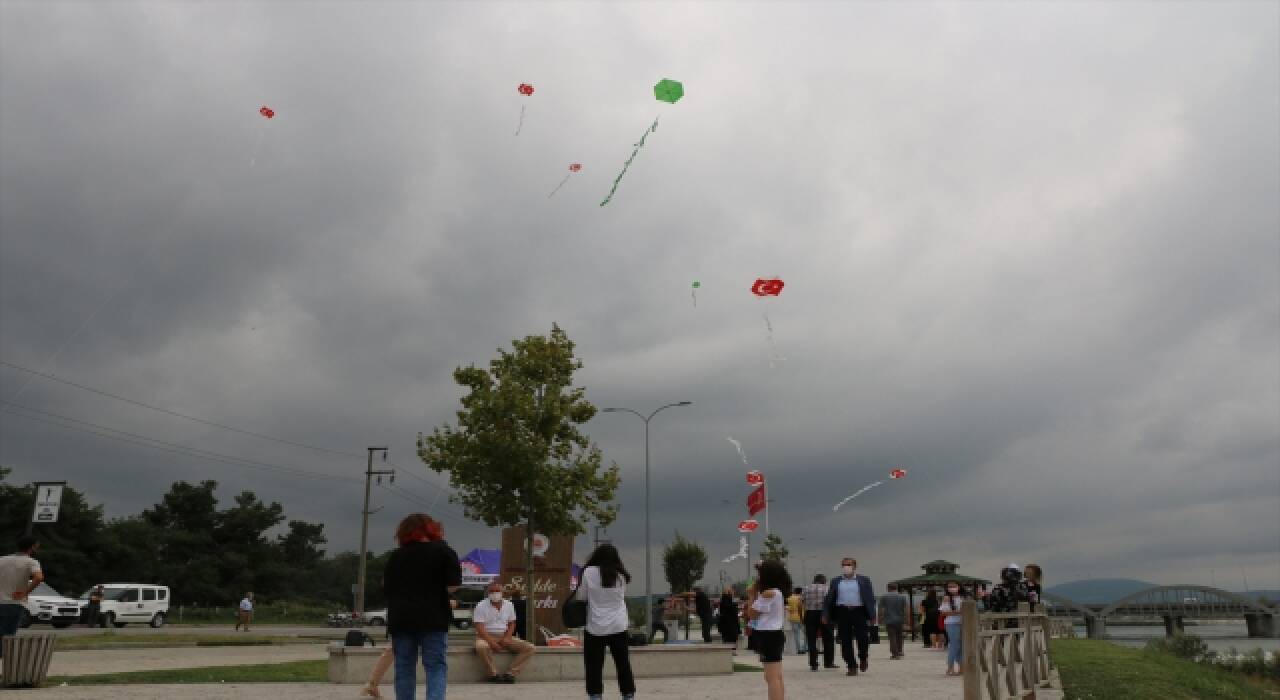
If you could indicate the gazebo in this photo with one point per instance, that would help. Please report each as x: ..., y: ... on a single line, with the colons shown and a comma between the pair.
x: 936, y: 574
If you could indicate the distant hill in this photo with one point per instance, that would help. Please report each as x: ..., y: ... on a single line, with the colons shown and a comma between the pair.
x: 1098, y: 590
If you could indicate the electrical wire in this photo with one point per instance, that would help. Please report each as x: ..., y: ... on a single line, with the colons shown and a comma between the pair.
x: 176, y: 414
x: 70, y: 423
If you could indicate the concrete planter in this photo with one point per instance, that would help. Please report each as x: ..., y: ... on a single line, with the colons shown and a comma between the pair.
x: 26, y: 660
x: 353, y: 664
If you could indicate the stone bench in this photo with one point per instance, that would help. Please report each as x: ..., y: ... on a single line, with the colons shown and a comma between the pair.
x: 354, y: 664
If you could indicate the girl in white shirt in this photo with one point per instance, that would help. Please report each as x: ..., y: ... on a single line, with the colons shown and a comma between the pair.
x: 769, y: 611
x: 950, y: 612
x: 603, y: 585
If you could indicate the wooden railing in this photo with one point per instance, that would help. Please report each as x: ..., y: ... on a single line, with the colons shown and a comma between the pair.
x: 1006, y: 655
x: 1062, y: 628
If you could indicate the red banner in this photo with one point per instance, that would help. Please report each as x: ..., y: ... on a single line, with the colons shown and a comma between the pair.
x: 756, y: 500
x: 748, y: 526
x: 754, y: 477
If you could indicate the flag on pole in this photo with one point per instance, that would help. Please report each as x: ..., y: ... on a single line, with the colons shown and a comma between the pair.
x: 756, y: 500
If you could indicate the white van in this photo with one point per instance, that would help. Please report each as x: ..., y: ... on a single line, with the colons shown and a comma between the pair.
x: 123, y: 603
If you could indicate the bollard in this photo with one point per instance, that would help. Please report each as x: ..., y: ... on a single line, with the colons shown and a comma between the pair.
x: 26, y: 659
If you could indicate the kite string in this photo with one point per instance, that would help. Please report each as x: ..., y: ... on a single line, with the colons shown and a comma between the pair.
x: 775, y: 358
x: 557, y: 189
x: 859, y: 492
x: 653, y: 128
x: 257, y: 143
x: 520, y: 125
x: 741, y: 454
x: 52, y: 360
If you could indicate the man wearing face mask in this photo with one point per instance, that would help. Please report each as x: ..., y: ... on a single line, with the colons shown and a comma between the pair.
x: 851, y: 605
x: 495, y: 623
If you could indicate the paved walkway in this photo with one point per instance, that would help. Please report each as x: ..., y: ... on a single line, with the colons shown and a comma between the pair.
x: 920, y: 674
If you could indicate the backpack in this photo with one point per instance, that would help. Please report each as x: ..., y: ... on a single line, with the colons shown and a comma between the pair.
x: 356, y: 638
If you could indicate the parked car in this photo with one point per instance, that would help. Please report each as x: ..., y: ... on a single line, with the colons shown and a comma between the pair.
x: 378, y: 618
x: 49, y: 606
x: 123, y: 603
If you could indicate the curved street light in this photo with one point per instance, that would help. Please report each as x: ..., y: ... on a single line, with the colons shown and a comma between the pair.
x: 648, y: 579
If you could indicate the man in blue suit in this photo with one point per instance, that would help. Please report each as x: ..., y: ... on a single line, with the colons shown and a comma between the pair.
x: 851, y: 604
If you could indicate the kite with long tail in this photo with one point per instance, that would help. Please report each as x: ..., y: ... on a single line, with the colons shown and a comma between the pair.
x: 742, y: 551
x: 895, y: 474
x: 666, y: 90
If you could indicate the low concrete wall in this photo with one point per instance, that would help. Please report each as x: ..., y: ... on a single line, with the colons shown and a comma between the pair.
x: 354, y: 664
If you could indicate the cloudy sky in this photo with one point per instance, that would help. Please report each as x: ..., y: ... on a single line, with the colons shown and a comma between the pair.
x: 1031, y: 255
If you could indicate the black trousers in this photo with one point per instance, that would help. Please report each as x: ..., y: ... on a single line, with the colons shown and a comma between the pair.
x: 706, y: 629
x: 853, y: 626
x: 812, y: 628
x: 593, y: 661
x: 895, y: 639
x: 659, y: 627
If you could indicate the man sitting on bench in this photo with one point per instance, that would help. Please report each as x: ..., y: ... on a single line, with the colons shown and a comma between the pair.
x: 495, y: 623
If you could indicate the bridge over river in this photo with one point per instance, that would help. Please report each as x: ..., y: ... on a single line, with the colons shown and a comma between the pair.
x: 1173, y: 604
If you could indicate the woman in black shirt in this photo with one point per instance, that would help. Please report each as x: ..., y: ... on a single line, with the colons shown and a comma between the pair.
x: 418, y: 579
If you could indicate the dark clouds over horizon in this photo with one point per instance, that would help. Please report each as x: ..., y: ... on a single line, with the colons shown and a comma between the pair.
x: 1031, y: 255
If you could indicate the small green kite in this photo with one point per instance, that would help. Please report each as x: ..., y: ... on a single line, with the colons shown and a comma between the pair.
x: 668, y: 90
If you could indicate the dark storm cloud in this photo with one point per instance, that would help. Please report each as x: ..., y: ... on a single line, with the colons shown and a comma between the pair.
x: 1030, y: 252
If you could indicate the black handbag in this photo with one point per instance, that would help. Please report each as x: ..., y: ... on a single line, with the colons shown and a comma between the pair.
x: 574, y: 612
x: 874, y: 635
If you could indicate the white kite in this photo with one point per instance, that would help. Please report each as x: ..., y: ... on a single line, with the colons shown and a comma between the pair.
x: 893, y: 474
x: 742, y: 551
x: 741, y: 454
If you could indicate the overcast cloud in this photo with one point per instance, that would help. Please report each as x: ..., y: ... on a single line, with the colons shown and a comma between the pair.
x: 1031, y: 253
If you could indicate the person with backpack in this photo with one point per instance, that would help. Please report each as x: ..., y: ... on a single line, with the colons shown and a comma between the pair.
x: 603, y: 585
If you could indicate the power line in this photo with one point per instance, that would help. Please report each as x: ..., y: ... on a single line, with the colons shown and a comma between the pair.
x: 177, y: 414
x: 203, y: 421
x: 162, y: 445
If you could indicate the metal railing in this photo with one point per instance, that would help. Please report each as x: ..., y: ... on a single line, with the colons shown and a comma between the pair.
x: 1006, y: 655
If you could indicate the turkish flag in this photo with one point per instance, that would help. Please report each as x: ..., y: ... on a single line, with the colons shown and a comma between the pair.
x: 754, y: 477
x: 756, y: 500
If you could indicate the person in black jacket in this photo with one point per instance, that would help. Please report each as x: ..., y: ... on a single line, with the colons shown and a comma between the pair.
x: 702, y: 606
x: 418, y: 579
x: 728, y: 624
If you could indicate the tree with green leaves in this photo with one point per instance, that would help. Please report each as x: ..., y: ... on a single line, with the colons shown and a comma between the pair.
x: 774, y: 549
x: 683, y: 561
x: 517, y: 456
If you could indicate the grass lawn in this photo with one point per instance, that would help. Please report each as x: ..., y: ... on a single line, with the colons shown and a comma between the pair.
x: 122, y: 641
x: 1094, y: 669
x: 290, y: 672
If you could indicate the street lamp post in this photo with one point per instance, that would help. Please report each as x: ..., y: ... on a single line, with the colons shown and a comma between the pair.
x: 648, y: 578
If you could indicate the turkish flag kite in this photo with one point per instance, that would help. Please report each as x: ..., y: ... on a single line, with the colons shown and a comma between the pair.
x: 897, y: 473
x: 748, y: 526
x: 754, y: 477
x: 755, y: 500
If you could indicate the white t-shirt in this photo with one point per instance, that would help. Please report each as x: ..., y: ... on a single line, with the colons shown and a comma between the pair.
x: 773, y: 611
x: 946, y: 606
x: 16, y: 571
x: 495, y: 620
x: 606, y: 607
x: 246, y: 605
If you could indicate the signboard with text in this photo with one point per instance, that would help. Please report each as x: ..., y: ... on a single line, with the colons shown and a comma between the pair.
x: 553, y: 557
x: 48, y: 501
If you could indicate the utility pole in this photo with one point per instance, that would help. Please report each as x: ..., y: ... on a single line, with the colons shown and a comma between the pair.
x: 369, y: 473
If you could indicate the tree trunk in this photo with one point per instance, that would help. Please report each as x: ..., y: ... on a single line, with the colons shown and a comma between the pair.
x: 530, y: 620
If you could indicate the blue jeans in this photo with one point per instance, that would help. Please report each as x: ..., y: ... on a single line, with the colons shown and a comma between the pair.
x: 10, y: 616
x: 432, y: 645
x: 797, y: 635
x: 953, y: 645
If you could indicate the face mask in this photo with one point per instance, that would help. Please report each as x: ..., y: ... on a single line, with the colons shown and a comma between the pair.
x: 848, y: 570
x: 495, y: 597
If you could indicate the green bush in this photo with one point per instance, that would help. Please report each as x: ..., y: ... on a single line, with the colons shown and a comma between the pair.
x: 1183, y: 646
x: 1253, y: 663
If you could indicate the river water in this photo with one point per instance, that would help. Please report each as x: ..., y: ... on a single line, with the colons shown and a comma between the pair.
x: 1220, y: 636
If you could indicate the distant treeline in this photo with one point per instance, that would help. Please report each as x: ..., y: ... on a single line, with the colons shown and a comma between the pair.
x: 206, y: 555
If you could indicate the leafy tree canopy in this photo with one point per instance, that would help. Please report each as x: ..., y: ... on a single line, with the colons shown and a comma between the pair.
x: 683, y: 562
